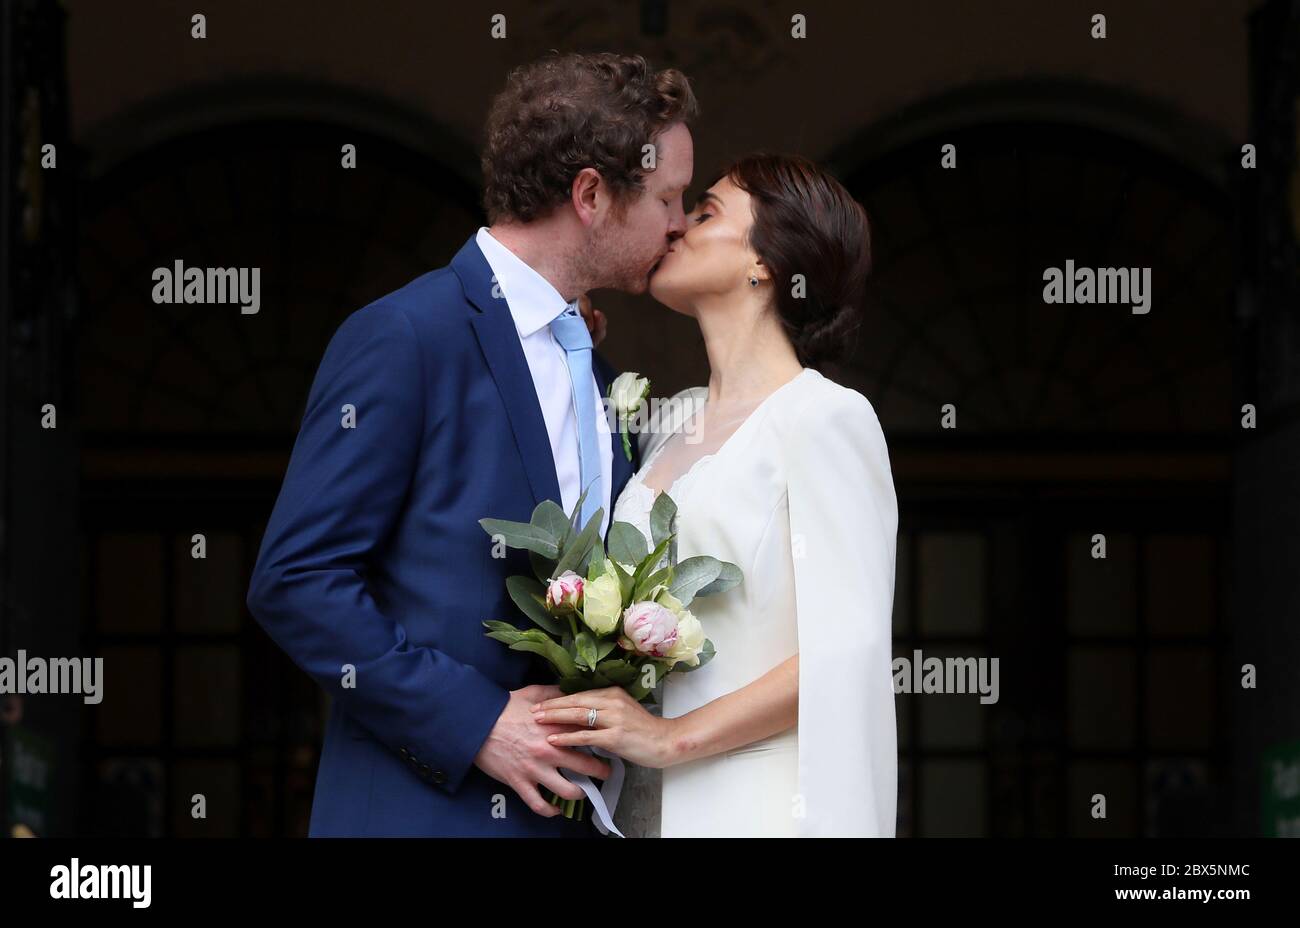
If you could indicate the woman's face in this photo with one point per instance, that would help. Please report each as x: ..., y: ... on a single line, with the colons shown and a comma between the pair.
x: 713, y: 257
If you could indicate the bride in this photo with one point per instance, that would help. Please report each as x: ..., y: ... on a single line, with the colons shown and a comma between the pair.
x: 789, y: 730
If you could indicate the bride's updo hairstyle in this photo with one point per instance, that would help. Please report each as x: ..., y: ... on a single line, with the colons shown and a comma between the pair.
x: 806, y: 223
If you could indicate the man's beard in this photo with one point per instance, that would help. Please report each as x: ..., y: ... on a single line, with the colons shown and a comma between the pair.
x: 614, y: 270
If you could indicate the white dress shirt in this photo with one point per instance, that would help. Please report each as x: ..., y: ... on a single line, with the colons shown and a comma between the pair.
x: 533, y: 303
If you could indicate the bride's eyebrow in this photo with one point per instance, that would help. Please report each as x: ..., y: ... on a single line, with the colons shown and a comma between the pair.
x: 707, y: 197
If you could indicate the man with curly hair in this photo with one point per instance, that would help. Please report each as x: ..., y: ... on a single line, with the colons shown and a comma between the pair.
x: 472, y: 391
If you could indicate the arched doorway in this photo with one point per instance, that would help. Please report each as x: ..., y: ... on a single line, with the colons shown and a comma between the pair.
x: 1072, y: 421
x: 188, y: 413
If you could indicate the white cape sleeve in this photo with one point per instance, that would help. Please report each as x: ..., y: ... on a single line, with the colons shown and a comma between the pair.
x: 843, y: 528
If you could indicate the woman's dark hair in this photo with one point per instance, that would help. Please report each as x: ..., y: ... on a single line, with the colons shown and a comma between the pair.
x: 806, y: 223
x: 563, y: 113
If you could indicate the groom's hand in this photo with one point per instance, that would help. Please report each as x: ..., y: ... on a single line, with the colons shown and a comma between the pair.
x: 517, y: 753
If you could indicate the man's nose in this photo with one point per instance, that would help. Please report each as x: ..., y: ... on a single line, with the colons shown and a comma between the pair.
x: 676, y: 224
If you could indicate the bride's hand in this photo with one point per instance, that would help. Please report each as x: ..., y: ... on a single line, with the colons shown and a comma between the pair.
x: 594, y: 318
x: 623, y: 726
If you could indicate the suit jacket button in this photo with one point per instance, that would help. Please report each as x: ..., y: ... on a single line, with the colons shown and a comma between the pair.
x: 406, y: 755
x: 426, y: 772
x: 439, y: 777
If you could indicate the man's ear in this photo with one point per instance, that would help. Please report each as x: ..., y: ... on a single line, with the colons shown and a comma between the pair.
x: 585, y: 195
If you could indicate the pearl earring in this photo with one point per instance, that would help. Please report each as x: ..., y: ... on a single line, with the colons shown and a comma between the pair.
x: 753, y: 281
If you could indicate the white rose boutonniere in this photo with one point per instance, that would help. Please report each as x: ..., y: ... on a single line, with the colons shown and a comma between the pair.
x: 627, y: 393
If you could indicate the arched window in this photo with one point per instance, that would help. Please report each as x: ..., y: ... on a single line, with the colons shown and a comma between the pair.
x: 188, y: 413
x: 1073, y: 421
x: 957, y: 310
x: 275, y: 196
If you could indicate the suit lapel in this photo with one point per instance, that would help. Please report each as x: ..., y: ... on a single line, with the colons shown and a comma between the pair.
x: 497, y: 337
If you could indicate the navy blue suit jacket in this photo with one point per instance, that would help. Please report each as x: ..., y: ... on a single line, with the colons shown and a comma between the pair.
x: 374, y: 558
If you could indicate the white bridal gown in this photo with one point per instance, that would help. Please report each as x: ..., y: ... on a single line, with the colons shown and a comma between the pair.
x: 800, y: 496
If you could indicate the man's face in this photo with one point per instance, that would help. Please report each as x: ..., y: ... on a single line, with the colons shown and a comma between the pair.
x: 623, y: 251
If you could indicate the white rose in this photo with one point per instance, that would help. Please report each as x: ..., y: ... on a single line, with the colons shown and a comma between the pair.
x: 602, y: 602
x: 690, y: 639
x: 690, y: 633
x: 627, y: 392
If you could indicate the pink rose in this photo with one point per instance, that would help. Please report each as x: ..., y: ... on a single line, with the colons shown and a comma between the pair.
x: 649, y: 629
x: 564, y: 593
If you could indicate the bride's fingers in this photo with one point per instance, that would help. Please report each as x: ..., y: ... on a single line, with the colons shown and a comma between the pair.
x: 587, y: 699
x: 599, y: 737
x: 580, y: 762
x: 591, y: 699
x: 594, y: 318
x: 575, y: 716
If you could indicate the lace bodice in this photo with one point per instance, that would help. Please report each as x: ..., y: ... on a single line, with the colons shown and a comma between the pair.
x: 637, y: 499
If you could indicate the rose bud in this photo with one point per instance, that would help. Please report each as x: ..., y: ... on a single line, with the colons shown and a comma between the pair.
x: 564, y: 593
x: 650, y: 628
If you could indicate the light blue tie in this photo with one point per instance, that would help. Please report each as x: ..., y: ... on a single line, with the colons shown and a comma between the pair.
x: 570, y: 330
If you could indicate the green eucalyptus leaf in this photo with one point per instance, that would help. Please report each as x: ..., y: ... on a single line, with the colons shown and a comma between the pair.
x: 543, y: 567
x: 728, y: 577
x: 619, y: 671
x: 558, y: 657
x: 625, y: 583
x: 575, y: 552
x: 595, y: 560
x: 522, y: 535
x: 576, y: 684
x: 549, y: 516
x: 604, y: 647
x: 692, y: 575
x: 651, y: 560
x: 503, y: 631
x: 577, y: 510
x: 661, y: 517
x: 530, y: 596
x: 585, y: 645
x: 626, y: 543
x: 646, y: 587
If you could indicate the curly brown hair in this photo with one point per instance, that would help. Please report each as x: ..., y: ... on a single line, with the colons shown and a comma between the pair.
x: 563, y: 113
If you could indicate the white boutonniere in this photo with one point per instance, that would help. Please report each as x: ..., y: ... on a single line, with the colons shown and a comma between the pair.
x: 627, y: 393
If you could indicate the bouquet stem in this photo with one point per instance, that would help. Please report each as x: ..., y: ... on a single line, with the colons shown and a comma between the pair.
x: 574, y: 809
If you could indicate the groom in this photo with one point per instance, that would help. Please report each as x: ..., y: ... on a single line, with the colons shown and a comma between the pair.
x: 471, y: 392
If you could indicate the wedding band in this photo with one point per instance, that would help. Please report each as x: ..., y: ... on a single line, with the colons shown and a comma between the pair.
x: 591, y: 718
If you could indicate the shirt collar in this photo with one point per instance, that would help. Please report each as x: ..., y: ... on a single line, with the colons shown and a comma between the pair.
x: 533, y: 302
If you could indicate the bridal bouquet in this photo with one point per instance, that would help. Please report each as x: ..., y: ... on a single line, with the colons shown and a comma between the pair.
x: 607, y: 614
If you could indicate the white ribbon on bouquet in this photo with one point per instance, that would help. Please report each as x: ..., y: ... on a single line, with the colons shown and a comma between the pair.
x: 604, y: 801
